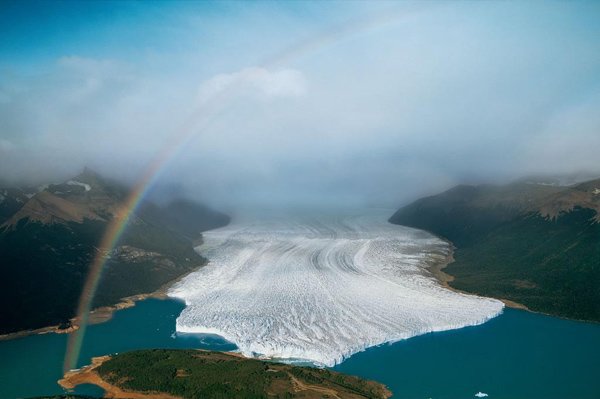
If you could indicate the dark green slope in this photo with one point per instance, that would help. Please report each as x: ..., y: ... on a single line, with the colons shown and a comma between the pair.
x: 44, y: 267
x: 464, y: 213
x: 507, y: 246
x: 46, y: 253
x: 551, y: 266
x: 41, y: 266
x: 185, y: 217
x: 11, y: 200
x: 164, y: 256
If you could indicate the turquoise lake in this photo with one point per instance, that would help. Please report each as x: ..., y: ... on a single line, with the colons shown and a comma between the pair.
x: 516, y: 355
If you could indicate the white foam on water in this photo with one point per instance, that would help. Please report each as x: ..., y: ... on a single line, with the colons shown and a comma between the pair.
x: 323, y: 288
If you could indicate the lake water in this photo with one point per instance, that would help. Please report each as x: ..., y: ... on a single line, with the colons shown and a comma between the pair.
x: 516, y: 355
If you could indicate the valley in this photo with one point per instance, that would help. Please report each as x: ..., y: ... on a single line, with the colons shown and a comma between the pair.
x: 322, y: 287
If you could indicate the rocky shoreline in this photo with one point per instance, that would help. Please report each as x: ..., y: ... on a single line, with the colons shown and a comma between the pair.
x: 437, y: 270
x: 98, y: 315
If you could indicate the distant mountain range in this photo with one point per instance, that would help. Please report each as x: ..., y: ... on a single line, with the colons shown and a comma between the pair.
x: 49, y: 235
x: 532, y: 242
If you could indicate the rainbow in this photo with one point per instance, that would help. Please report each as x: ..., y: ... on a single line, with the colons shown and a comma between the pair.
x: 115, y: 230
x: 177, y: 143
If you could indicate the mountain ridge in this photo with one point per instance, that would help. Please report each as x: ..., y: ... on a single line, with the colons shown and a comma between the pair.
x: 534, y: 244
x: 49, y: 242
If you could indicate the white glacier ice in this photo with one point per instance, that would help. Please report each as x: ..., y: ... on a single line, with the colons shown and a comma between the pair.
x: 321, y: 289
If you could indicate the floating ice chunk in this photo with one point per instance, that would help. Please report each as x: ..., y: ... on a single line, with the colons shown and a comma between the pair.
x: 481, y: 395
x: 322, y: 289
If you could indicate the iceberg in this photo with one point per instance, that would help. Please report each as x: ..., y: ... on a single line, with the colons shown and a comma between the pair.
x: 320, y: 289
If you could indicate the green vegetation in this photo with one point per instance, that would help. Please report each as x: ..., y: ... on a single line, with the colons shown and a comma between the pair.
x: 46, y: 251
x: 508, y: 250
x: 201, y: 374
x: 41, y: 265
x: 44, y: 267
x: 549, y: 266
x: 185, y: 217
x: 65, y: 397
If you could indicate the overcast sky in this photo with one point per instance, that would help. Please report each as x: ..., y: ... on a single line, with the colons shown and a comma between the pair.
x: 300, y: 102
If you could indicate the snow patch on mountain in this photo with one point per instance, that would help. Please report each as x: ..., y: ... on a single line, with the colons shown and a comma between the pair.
x: 87, y: 187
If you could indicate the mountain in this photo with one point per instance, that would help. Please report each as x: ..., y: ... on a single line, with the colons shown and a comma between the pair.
x: 49, y: 241
x: 184, y: 216
x: 531, y: 243
x: 12, y: 199
x: 45, y: 207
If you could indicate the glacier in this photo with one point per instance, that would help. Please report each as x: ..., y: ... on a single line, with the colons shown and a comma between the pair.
x: 321, y: 288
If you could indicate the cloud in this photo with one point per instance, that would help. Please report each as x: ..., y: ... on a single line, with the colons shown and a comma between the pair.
x: 380, y: 115
x: 6, y: 146
x: 255, y: 81
x: 569, y: 140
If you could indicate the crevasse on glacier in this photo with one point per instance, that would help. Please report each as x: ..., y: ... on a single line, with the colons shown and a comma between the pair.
x: 321, y: 289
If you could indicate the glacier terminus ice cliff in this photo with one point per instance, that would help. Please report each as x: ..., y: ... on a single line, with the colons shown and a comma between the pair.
x: 320, y: 289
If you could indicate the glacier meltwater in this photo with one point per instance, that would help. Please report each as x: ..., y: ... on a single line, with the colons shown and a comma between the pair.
x: 319, y: 289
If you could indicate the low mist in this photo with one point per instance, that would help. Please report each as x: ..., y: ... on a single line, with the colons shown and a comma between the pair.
x: 326, y: 105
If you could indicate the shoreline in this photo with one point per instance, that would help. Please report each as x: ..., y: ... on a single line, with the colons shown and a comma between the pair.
x: 437, y: 271
x: 89, y: 375
x: 105, y: 313
x: 101, y: 314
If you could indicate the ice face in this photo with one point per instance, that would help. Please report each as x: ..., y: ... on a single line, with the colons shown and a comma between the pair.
x: 321, y: 289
